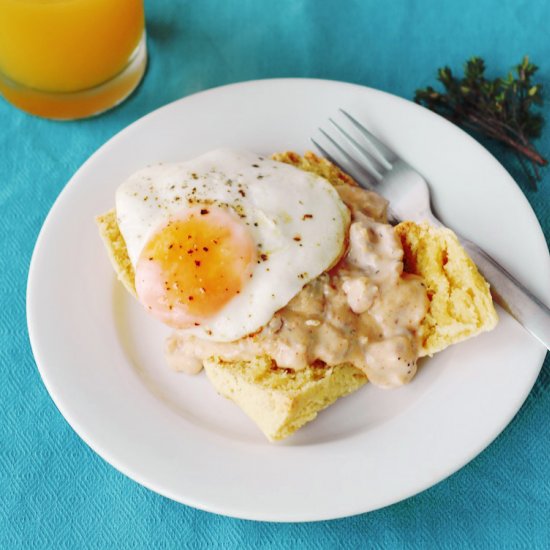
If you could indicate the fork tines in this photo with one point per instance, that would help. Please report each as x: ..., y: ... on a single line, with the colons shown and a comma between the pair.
x: 364, y: 161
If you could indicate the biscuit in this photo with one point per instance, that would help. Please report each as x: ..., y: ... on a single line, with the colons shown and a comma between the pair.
x: 460, y: 299
x: 116, y: 249
x: 279, y: 400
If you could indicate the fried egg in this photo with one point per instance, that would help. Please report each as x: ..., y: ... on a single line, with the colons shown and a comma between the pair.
x: 221, y: 242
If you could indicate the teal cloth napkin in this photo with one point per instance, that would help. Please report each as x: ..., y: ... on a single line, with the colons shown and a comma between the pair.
x: 54, y: 491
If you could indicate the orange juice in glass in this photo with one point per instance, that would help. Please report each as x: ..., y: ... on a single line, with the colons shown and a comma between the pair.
x: 68, y: 59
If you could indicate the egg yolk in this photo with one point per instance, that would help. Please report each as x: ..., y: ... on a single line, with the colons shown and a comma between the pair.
x: 194, y: 265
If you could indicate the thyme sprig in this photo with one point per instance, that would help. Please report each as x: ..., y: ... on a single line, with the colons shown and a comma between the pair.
x: 501, y: 108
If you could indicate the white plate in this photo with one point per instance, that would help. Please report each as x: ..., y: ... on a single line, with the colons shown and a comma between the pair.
x: 101, y: 357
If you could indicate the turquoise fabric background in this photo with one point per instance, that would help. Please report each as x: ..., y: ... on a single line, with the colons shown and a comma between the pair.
x: 54, y: 491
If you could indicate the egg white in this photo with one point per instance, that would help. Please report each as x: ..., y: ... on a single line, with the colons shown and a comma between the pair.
x: 296, y: 219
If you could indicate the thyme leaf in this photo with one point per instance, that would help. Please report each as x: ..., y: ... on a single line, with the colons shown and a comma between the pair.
x: 501, y: 109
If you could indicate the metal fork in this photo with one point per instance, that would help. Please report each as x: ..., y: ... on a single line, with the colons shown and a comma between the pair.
x: 409, y: 198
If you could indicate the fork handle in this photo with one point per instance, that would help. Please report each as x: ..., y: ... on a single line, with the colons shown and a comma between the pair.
x: 508, y: 292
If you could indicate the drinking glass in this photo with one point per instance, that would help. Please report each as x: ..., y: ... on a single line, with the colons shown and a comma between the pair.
x: 69, y: 59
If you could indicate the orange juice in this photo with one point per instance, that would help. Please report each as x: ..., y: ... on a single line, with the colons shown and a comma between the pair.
x: 68, y: 58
